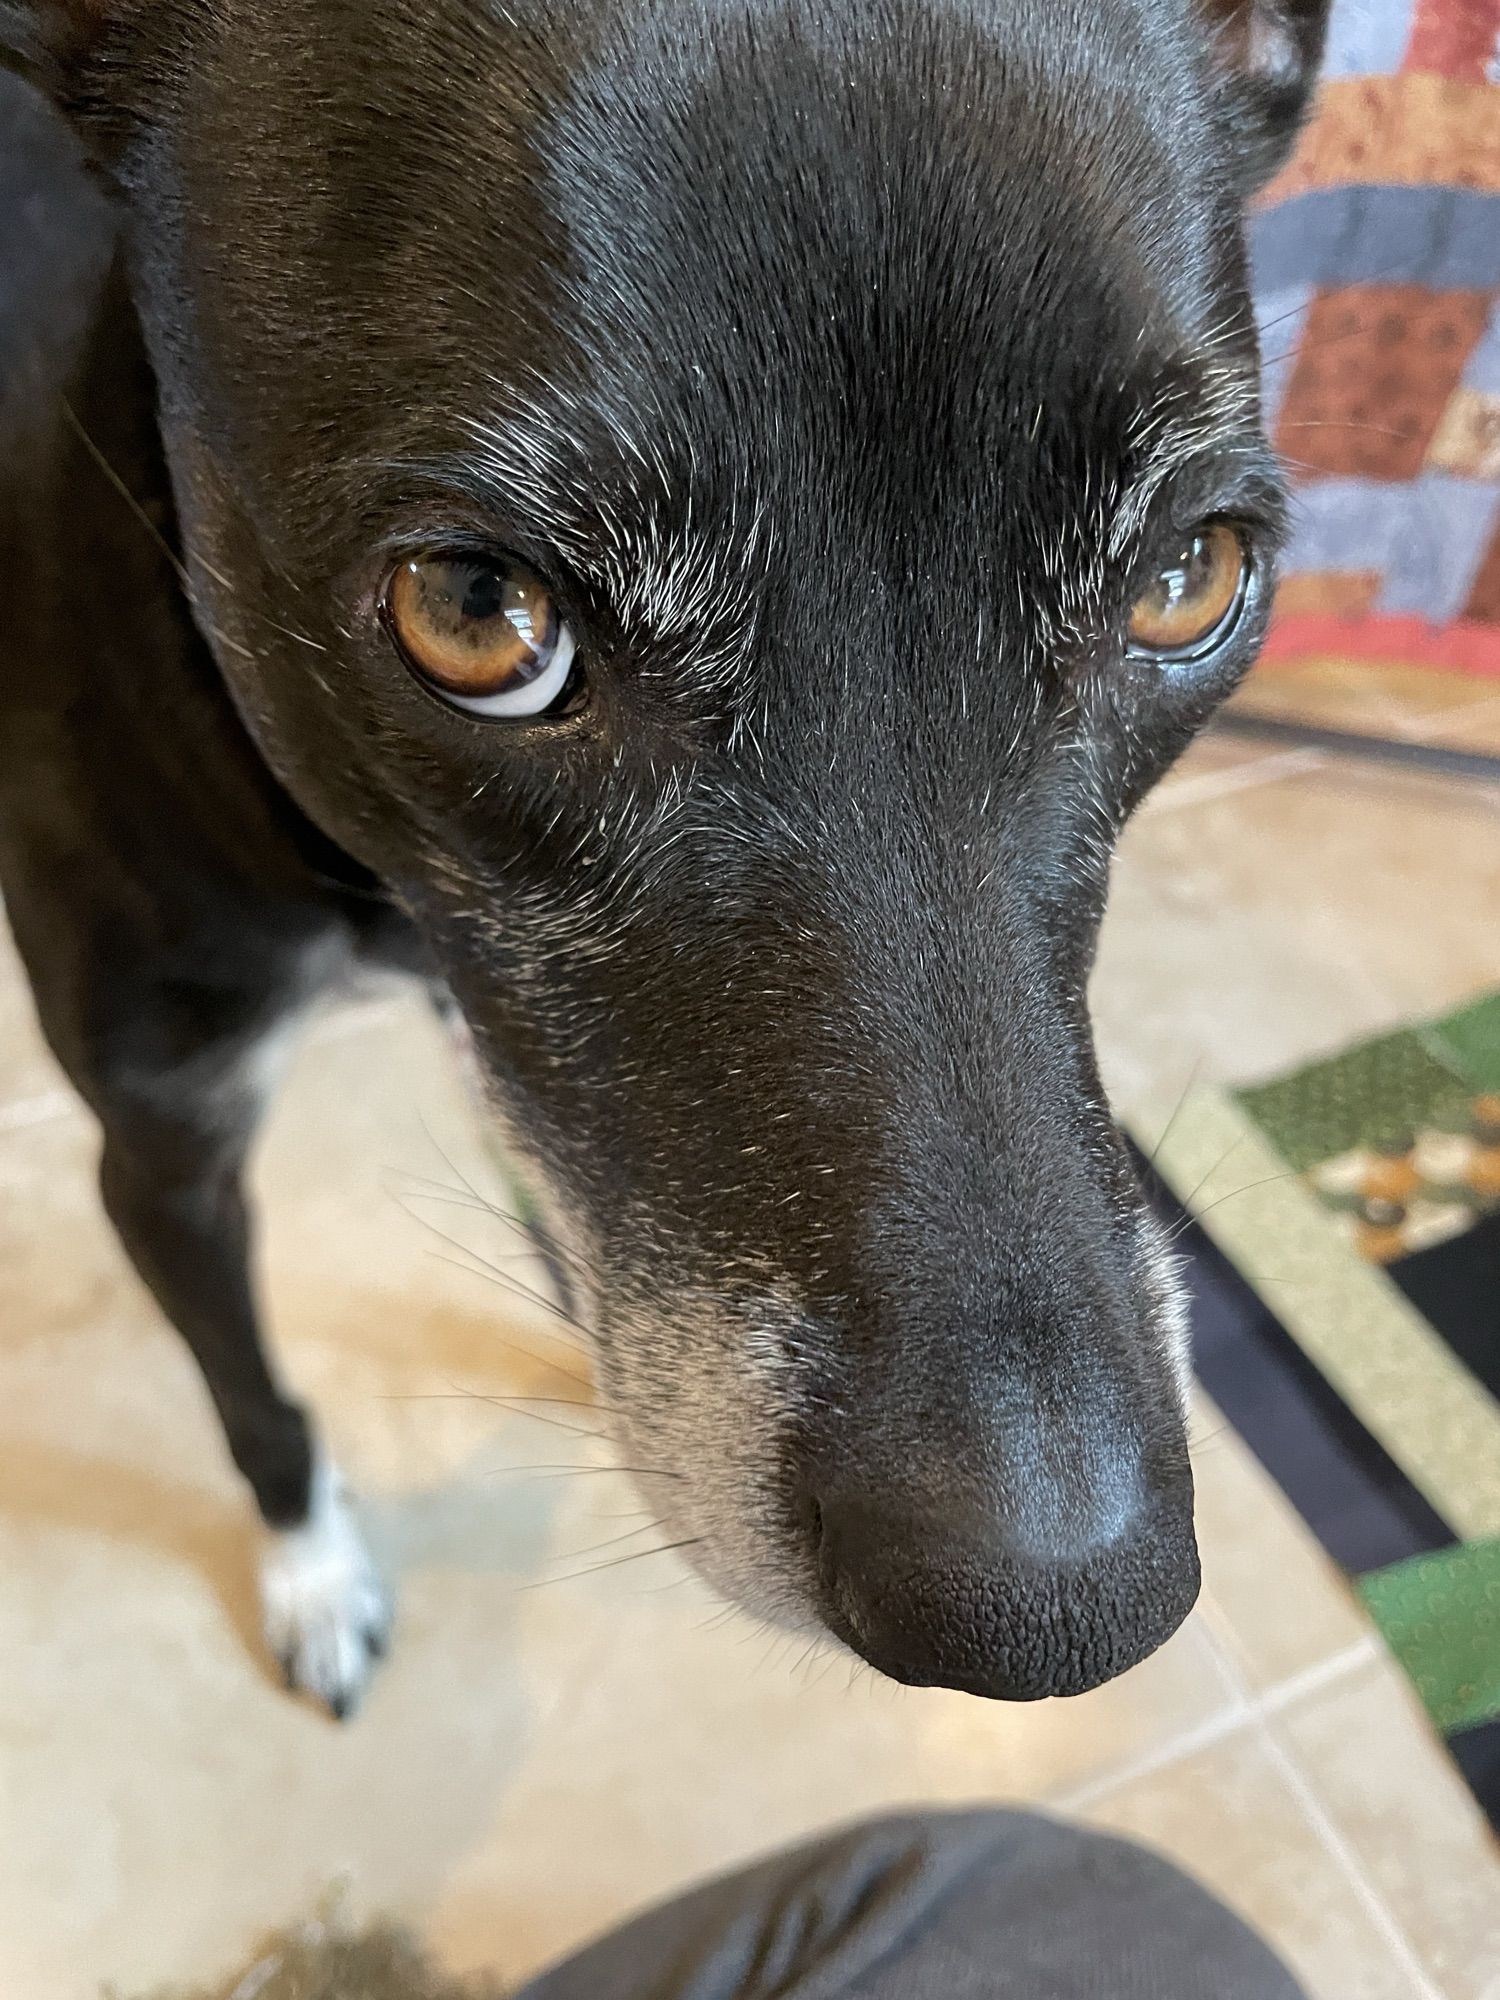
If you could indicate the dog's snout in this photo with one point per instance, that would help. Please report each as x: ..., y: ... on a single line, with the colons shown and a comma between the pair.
x: 1040, y: 1588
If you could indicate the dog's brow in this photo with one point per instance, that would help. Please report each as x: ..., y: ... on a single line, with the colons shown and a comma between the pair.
x: 633, y: 536
x: 1169, y: 434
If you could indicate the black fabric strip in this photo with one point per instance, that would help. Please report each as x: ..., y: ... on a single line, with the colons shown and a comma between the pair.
x: 1477, y: 1754
x: 1456, y: 1286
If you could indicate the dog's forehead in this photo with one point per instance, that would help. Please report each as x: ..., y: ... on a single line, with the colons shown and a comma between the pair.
x: 931, y: 285
x: 689, y: 276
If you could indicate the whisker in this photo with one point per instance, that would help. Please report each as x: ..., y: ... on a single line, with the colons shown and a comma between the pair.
x: 572, y: 1471
x: 481, y: 1396
x: 613, y: 1542
x: 514, y: 1346
x: 1195, y: 1443
x: 501, y: 1214
x: 1197, y: 1215
x: 1202, y: 1184
x: 482, y: 1267
x: 557, y: 1423
x: 616, y: 1562
x: 1187, y: 1091
x: 422, y: 1187
x: 178, y: 567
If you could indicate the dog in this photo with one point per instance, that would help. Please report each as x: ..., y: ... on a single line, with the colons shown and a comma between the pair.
x: 690, y: 524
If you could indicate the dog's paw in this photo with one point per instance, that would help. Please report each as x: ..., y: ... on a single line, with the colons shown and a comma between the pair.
x: 326, y: 1611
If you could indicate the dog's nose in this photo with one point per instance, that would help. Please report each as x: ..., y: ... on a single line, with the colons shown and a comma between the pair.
x: 1010, y: 1602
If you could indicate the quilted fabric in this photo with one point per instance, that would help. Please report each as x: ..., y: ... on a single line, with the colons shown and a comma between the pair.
x: 1376, y: 264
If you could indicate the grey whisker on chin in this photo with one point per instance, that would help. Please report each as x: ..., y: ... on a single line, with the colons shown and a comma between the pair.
x: 505, y: 1215
x: 421, y: 1187
x: 485, y: 1266
x: 478, y: 1269
x: 1177, y: 1109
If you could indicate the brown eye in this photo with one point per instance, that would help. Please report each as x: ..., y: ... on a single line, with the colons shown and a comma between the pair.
x: 483, y: 632
x: 1194, y: 601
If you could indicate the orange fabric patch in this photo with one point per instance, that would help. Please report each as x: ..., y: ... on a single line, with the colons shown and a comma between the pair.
x: 1342, y: 593
x: 1414, y: 130
x: 1377, y: 367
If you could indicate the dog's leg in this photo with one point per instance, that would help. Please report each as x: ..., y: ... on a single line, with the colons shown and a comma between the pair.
x: 175, y: 1143
x: 170, y: 1042
x: 173, y: 907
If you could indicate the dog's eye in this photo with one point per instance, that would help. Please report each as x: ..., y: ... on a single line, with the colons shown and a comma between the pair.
x: 1195, y: 600
x: 483, y: 633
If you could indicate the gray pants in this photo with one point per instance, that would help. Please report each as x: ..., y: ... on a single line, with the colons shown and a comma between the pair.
x: 961, y: 1906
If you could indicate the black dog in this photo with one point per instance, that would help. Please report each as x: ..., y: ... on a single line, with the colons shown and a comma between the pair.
x: 699, y: 519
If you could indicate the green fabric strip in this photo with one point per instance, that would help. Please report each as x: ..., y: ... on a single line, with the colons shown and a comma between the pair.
x: 1441, y: 1618
x: 1377, y: 1094
x: 1470, y: 1040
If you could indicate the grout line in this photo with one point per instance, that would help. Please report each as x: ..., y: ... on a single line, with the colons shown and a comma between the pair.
x: 1340, y: 1851
x: 1332, y: 1840
x: 1312, y: 1679
x: 1217, y: 1729
x: 1247, y: 1714
x: 1316, y: 1679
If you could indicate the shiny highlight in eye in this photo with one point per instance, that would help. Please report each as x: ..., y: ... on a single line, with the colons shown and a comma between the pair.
x: 1194, y: 601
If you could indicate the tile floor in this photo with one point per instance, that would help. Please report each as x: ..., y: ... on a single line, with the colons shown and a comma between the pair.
x: 554, y: 1742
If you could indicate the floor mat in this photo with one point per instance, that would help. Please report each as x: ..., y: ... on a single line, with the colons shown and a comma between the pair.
x: 1341, y: 1227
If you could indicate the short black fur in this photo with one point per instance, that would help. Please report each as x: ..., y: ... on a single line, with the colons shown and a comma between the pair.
x: 846, y: 370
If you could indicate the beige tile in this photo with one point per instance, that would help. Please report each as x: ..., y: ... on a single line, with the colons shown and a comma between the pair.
x: 1328, y: 693
x: 366, y: 1176
x: 688, y: 1742
x: 1418, y: 692
x: 553, y: 1741
x: 59, y: 1265
x: 1210, y: 757
x: 27, y: 1071
x: 1419, y: 704
x: 1281, y: 1606
x: 1474, y: 725
x: 1232, y: 1818
x: 1217, y: 767
x: 163, y: 1801
x: 1383, y: 1778
x: 1268, y: 925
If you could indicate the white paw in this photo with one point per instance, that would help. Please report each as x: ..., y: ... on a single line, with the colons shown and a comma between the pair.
x: 326, y: 1613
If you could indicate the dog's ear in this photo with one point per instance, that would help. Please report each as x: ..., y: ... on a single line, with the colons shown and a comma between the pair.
x: 1266, y: 55
x: 50, y: 41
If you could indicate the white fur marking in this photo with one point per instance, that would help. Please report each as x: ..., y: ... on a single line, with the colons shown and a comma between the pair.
x: 325, y: 1609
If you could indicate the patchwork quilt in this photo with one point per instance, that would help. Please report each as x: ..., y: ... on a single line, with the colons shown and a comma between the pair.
x: 1376, y: 266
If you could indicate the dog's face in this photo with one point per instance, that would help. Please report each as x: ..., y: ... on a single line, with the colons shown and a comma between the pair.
x: 726, y: 506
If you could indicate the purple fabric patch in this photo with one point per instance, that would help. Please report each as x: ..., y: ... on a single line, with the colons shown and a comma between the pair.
x: 1446, y: 524
x: 1367, y: 37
